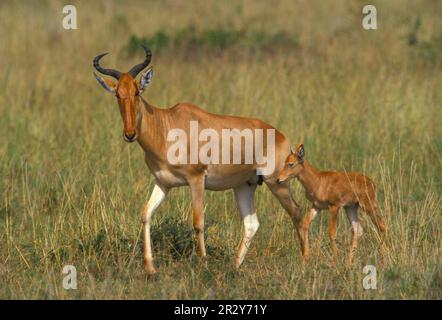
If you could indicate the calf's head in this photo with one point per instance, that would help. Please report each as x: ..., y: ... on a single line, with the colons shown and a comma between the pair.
x: 294, y: 164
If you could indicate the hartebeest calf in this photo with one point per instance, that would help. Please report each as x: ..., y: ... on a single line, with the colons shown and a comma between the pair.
x: 332, y: 190
x: 150, y: 127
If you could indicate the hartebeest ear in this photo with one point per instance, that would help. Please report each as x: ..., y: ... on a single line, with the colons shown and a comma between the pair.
x: 300, y: 152
x: 107, y: 84
x: 145, y: 79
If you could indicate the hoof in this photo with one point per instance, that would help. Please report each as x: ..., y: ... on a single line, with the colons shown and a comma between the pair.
x: 150, y: 269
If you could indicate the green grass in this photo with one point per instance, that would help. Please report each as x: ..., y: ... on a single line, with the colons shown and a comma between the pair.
x: 212, y: 40
x: 72, y: 190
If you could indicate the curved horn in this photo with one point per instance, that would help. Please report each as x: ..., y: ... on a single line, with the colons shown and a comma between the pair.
x: 109, y: 72
x: 136, y: 69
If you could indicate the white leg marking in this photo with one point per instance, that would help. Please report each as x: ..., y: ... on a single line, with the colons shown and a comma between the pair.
x: 155, y: 199
x: 352, y: 215
x: 313, y: 214
x: 251, y: 225
x: 244, y: 198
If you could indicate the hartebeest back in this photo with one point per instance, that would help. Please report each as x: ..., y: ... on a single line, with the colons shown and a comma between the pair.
x: 151, y: 127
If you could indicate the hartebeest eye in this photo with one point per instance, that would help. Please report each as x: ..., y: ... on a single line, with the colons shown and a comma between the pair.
x: 291, y: 165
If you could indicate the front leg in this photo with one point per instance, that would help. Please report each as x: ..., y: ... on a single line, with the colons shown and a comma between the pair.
x: 158, y: 195
x: 311, y: 214
x: 197, y: 189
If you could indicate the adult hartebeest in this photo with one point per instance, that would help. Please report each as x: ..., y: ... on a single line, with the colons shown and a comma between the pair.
x: 150, y: 126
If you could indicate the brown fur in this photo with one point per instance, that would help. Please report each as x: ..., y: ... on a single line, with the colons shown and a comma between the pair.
x: 149, y: 126
x: 332, y: 190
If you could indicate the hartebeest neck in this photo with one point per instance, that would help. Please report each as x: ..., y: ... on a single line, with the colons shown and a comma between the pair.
x: 152, y: 125
x: 309, y: 177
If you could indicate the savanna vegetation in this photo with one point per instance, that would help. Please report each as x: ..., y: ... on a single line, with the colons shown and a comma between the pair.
x: 72, y: 190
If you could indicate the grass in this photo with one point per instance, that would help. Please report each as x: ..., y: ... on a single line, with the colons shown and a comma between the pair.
x: 72, y: 190
x: 212, y: 39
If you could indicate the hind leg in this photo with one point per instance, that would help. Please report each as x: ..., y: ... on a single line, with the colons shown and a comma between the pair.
x: 356, y: 230
x: 282, y: 192
x: 332, y: 232
x: 244, y: 198
x: 373, y: 213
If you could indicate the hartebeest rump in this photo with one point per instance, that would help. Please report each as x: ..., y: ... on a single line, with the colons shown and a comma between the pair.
x: 332, y: 190
x: 149, y: 126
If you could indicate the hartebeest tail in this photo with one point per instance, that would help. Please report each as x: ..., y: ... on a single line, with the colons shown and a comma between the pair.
x: 332, y: 190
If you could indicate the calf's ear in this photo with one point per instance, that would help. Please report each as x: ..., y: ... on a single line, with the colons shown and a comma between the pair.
x: 300, y: 152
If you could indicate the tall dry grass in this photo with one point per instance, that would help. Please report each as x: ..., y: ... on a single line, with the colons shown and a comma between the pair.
x: 360, y: 100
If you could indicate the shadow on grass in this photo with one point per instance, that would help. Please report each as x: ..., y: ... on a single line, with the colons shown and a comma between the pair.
x: 176, y: 238
x: 172, y: 238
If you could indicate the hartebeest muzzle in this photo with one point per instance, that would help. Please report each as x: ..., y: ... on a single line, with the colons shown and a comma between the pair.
x: 130, y: 137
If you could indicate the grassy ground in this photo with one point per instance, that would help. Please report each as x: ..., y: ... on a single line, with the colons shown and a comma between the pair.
x: 71, y: 189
